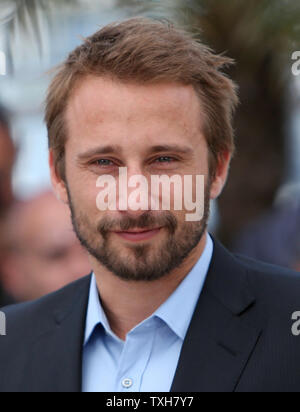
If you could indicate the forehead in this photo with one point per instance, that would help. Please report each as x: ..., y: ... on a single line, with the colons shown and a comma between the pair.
x: 108, y: 106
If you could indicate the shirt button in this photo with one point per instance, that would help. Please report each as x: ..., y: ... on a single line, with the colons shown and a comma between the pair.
x: 127, y: 383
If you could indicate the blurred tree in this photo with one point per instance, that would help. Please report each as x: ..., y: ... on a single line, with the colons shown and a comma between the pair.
x: 30, y: 19
x: 261, y: 36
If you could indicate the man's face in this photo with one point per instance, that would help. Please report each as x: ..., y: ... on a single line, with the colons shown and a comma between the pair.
x: 43, y: 253
x: 150, y: 130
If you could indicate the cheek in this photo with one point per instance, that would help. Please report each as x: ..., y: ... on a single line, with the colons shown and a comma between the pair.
x: 83, y: 190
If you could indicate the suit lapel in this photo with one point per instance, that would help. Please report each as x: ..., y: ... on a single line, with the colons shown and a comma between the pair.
x: 225, y: 328
x: 55, y: 361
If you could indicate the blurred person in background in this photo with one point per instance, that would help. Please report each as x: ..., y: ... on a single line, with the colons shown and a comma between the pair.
x: 43, y: 253
x: 274, y: 237
x: 7, y: 158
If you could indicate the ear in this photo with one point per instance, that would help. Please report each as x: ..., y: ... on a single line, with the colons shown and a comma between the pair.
x: 221, y: 175
x: 58, y: 183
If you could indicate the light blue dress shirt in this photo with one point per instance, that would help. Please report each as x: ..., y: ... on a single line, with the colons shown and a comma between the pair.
x: 148, y: 359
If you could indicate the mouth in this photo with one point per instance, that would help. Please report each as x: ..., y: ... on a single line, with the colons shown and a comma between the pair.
x: 139, y: 235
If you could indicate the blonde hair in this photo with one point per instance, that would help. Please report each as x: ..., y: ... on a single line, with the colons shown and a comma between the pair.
x: 143, y: 50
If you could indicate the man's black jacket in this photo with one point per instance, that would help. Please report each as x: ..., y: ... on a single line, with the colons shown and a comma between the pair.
x: 240, y: 337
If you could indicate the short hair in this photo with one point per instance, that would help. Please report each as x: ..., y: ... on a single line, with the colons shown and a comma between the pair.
x: 145, y: 51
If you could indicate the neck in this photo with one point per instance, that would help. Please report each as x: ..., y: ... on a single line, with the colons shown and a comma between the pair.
x: 126, y: 304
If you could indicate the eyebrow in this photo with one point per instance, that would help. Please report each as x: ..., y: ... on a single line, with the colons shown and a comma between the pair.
x: 102, y: 150
x: 171, y: 148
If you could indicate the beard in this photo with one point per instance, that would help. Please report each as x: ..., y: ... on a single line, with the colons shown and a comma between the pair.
x: 145, y: 262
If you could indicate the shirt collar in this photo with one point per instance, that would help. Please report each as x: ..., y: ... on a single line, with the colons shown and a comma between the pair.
x: 95, y: 312
x: 176, y: 312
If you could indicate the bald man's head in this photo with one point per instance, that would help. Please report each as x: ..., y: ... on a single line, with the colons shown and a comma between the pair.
x: 43, y: 253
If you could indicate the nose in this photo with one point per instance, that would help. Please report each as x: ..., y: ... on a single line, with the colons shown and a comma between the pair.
x: 133, y: 192
x: 131, y: 213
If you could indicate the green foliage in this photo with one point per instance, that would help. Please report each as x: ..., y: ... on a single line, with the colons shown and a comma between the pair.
x: 250, y: 28
x: 249, y: 31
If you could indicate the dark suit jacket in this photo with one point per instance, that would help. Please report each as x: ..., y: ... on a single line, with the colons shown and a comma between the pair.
x: 240, y: 337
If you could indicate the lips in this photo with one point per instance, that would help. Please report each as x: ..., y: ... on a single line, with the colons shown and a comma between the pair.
x: 138, y: 235
x: 138, y: 231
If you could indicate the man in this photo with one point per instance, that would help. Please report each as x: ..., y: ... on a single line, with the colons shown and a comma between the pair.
x: 167, y: 308
x: 42, y: 252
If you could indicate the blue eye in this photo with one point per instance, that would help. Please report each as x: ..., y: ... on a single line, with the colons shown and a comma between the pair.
x: 165, y: 159
x: 103, y: 162
x: 107, y: 162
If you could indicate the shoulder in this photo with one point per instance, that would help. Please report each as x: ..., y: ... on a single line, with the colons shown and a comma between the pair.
x: 275, y: 285
x: 34, y: 315
x: 267, y: 283
x: 34, y: 331
x: 268, y: 272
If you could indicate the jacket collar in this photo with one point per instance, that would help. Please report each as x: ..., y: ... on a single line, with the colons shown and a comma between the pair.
x: 55, y: 360
x: 224, y: 331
